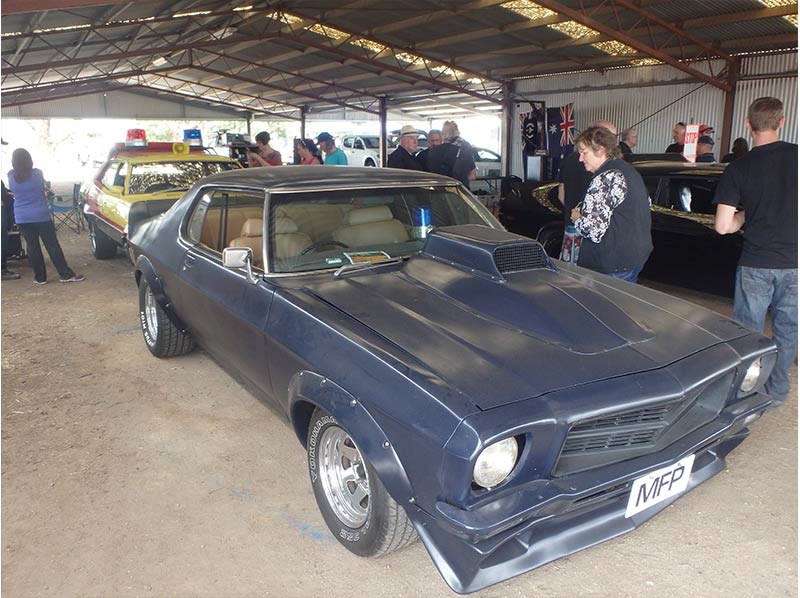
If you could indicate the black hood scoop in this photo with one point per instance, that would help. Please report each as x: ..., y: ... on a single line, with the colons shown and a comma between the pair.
x: 486, y: 250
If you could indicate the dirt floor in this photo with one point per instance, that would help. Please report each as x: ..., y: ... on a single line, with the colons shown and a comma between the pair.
x: 126, y: 475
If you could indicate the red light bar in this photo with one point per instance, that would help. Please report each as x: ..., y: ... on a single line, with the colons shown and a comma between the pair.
x: 136, y: 138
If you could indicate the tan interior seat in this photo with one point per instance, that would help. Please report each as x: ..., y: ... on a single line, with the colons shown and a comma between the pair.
x: 374, y: 225
x: 289, y: 241
x: 252, y: 237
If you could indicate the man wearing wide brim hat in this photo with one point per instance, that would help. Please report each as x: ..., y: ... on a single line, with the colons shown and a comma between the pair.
x: 405, y: 154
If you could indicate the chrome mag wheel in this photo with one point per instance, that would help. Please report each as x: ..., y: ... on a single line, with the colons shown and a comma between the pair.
x: 151, y: 314
x: 344, y: 477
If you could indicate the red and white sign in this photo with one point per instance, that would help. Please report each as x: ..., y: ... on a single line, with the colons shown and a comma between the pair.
x: 690, y: 142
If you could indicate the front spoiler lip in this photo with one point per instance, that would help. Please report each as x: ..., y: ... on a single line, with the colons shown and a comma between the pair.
x: 475, y: 549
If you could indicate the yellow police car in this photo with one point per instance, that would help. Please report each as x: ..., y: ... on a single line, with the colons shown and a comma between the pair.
x: 140, y: 180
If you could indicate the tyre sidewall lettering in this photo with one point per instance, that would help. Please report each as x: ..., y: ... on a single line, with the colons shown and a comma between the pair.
x: 148, y: 338
x: 313, y: 439
x: 151, y: 342
x: 348, y: 534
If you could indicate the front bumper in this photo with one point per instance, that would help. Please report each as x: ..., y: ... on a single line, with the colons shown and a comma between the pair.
x: 548, y: 519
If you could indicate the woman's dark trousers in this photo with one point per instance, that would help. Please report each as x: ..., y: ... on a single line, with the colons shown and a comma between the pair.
x: 46, y: 231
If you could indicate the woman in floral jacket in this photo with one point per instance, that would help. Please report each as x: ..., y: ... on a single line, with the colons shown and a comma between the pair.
x: 614, y: 217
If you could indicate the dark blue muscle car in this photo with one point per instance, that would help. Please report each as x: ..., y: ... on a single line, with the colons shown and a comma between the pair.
x: 448, y: 380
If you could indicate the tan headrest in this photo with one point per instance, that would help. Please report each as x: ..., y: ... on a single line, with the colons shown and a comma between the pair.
x: 252, y: 227
x: 285, y: 225
x: 367, y: 215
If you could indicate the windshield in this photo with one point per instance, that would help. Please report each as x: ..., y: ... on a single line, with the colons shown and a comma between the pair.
x: 150, y: 177
x: 330, y: 229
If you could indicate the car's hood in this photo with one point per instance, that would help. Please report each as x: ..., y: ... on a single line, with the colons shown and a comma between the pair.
x: 528, y: 333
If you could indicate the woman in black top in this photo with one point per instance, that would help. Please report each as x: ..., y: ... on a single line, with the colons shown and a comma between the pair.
x: 614, y: 216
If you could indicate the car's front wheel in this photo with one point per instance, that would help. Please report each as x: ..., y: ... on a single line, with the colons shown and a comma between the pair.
x: 369, y: 162
x: 102, y: 246
x: 357, y: 508
x: 161, y: 336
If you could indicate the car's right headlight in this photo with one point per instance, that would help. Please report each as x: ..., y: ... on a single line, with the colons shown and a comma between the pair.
x: 751, y: 377
x: 495, y: 463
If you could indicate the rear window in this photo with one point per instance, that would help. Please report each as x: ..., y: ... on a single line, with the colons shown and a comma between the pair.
x: 688, y: 194
x: 152, y: 177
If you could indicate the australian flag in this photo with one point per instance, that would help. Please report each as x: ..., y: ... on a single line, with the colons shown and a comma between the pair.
x: 560, y: 133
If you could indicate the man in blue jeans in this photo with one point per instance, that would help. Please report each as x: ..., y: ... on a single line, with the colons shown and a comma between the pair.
x: 764, y: 184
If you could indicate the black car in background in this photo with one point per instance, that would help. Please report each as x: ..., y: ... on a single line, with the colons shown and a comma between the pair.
x: 687, y: 250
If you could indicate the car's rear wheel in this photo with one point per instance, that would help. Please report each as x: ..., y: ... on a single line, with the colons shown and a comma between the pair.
x: 103, y: 247
x: 369, y: 162
x: 357, y: 508
x: 161, y: 336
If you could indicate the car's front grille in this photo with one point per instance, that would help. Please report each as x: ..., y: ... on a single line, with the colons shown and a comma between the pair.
x: 646, y: 415
x: 637, y: 427
x: 614, y: 437
x: 523, y: 256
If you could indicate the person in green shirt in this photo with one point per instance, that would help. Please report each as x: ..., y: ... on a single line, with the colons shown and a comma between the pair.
x: 333, y: 155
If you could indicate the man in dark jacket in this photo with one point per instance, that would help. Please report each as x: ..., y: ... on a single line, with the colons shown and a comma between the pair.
x: 454, y: 157
x: 628, y: 140
x: 705, y: 149
x: 678, y: 135
x: 405, y: 154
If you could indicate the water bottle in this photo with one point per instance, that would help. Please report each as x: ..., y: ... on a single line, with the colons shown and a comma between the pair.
x: 571, y: 246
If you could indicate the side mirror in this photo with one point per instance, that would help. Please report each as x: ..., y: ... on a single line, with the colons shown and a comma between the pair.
x: 239, y: 257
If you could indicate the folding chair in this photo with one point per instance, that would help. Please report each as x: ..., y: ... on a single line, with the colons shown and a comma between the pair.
x: 67, y: 214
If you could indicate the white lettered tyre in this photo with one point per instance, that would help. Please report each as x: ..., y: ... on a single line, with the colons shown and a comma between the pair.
x: 161, y: 336
x: 353, y: 501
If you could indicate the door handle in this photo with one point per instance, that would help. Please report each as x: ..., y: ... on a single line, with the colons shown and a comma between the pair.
x: 189, y: 261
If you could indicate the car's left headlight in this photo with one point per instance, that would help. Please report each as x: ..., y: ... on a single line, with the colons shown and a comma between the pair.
x: 751, y: 377
x: 495, y: 463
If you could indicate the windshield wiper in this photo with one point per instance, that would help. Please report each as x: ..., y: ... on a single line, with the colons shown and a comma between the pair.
x: 367, y: 265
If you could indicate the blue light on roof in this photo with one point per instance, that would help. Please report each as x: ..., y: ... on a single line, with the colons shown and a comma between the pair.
x: 193, y: 137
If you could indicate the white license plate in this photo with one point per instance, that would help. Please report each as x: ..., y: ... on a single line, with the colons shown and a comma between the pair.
x: 657, y: 486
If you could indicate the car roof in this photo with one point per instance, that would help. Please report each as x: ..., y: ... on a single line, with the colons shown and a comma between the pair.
x: 682, y: 168
x: 309, y: 178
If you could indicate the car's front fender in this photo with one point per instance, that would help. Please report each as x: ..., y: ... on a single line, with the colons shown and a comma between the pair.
x: 145, y: 271
x: 309, y: 389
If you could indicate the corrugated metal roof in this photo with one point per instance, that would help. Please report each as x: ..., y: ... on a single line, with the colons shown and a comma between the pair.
x: 682, y: 10
x: 326, y: 52
x: 745, y: 29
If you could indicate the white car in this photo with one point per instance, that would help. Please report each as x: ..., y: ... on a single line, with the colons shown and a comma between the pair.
x: 487, y: 163
x: 364, y: 150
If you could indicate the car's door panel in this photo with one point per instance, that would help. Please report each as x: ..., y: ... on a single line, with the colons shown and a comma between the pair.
x: 224, y: 311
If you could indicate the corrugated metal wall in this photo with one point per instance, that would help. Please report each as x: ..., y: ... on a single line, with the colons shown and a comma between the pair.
x: 655, y: 98
x: 770, y: 75
x: 117, y: 104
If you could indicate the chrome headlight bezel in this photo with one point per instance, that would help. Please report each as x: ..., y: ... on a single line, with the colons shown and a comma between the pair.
x: 495, y: 463
x: 752, y: 377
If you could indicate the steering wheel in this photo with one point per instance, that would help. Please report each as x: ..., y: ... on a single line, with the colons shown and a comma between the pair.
x: 319, y: 244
